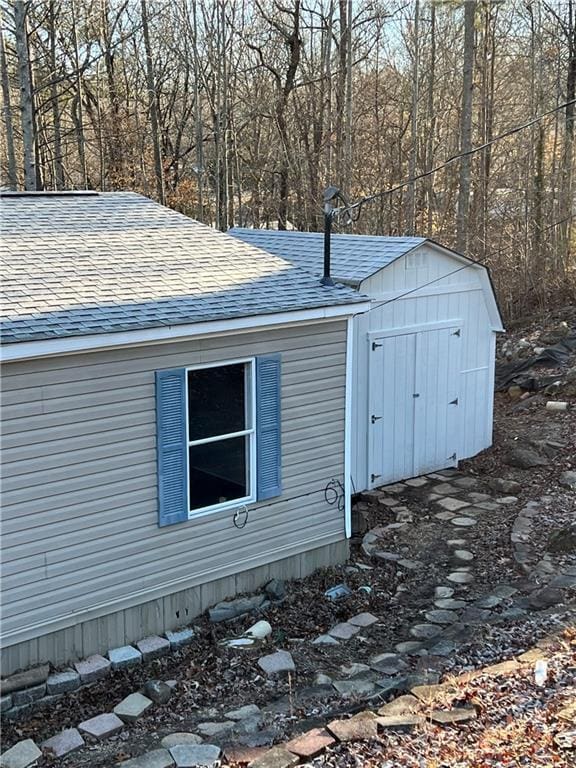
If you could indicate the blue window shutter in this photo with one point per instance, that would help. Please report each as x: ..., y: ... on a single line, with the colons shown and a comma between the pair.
x: 171, y: 445
x: 268, y: 431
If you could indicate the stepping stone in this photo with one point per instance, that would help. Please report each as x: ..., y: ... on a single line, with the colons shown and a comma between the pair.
x: 425, y: 631
x: 449, y: 472
x: 192, y: 755
x: 504, y: 591
x: 215, y: 729
x: 395, y: 488
x: 443, y: 592
x: 93, y: 668
x: 563, y: 581
x: 417, y: 482
x: 403, y: 705
x: 363, y: 726
x: 463, y: 522
x: 488, y: 506
x: 344, y: 631
x: 325, y: 640
x: 153, y: 647
x: 123, y: 657
x: 444, y: 489
x: 456, y: 542
x: 443, y: 648
x: 388, y: 664
x: 64, y: 742
x: 390, y: 556
x: 474, y: 615
x: 351, y: 670
x: 460, y: 577
x: 434, y: 692
x: 174, y: 739
x: 387, y: 502
x: 311, y: 743
x: 507, y: 500
x: 400, y: 722
x: 464, y: 555
x: 445, y: 515
x: 450, y: 604
x: 409, y: 647
x: 250, y: 710
x: 277, y: 663
x: 466, y: 482
x: 158, y: 758
x: 363, y: 620
x: 476, y: 498
x: 21, y: 755
x: 490, y: 601
x: 458, y: 715
x: 354, y: 687
x: 410, y: 565
x: 433, y: 497
x: 441, y: 616
x: 452, y: 505
x: 132, y: 707
x: 102, y: 726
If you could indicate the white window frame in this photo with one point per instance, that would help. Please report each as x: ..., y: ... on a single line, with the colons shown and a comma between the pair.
x: 250, y: 404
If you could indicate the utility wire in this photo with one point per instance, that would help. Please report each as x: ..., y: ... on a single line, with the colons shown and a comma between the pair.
x: 511, y: 131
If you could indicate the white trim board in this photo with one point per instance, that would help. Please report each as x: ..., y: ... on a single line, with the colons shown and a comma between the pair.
x: 415, y: 293
x: 71, y: 345
x: 409, y: 329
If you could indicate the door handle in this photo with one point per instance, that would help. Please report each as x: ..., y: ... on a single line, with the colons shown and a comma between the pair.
x: 416, y: 394
x: 375, y: 346
x: 374, y: 419
x: 373, y: 477
x: 453, y: 402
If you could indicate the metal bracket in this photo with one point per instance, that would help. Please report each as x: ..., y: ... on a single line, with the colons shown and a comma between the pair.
x: 453, y: 402
x: 373, y: 477
x: 375, y: 346
x: 374, y: 419
x: 452, y: 458
x: 456, y: 333
x: 416, y: 394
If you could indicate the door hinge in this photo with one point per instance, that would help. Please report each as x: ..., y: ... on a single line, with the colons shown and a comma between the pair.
x: 456, y: 333
x: 373, y: 477
x: 375, y: 346
x: 453, y: 402
x: 374, y: 419
x: 452, y: 458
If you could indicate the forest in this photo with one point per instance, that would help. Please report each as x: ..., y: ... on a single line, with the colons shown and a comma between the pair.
x: 454, y: 119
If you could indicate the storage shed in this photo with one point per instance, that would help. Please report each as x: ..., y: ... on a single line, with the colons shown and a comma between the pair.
x: 423, y: 355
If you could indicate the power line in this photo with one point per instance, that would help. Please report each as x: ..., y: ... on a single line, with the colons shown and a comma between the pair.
x: 511, y: 131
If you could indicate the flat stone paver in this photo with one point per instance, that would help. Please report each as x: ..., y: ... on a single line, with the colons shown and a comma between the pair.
x: 180, y: 638
x: 504, y: 591
x: 93, y: 668
x: 410, y: 565
x: 29, y: 695
x: 465, y: 482
x: 325, y: 640
x: 463, y: 522
x: 102, y: 726
x: 210, y: 730
x: 62, y: 682
x: 344, y: 631
x: 277, y: 757
x: 277, y: 663
x: 311, y: 743
x: 250, y: 710
x: 354, y: 687
x: 181, y: 737
x: 132, y: 707
x: 192, y: 755
x: 360, y: 727
x: 488, y: 506
x: 445, y: 516
x: 433, y: 693
x: 452, y: 505
x: 123, y: 657
x: 443, y: 648
x: 403, y: 705
x: 417, y: 482
x: 363, y: 620
x: 425, y: 631
x: 153, y: 647
x: 388, y: 663
x: 400, y: 722
x: 21, y: 755
x: 158, y: 758
x: 460, y: 577
x: 395, y: 488
x: 476, y: 498
x: 389, y: 502
x: 450, y: 604
x: 409, y: 647
x: 463, y: 555
x: 506, y: 500
x: 351, y: 670
x: 443, y: 592
x: 490, y: 601
x: 457, y: 715
x: 64, y: 742
x: 441, y: 616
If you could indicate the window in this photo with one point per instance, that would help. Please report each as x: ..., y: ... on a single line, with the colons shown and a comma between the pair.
x: 221, y: 434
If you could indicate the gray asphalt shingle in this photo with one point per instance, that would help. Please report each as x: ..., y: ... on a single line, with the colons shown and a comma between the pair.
x: 81, y: 264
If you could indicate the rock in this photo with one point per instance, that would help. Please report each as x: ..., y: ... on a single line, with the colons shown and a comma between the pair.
x: 441, y: 616
x: 444, y: 516
x: 215, y: 729
x: 344, y: 631
x: 21, y: 755
x: 158, y: 758
x: 250, y: 710
x: 325, y: 640
x: 457, y: 715
x: 507, y: 500
x: 503, y: 668
x: 64, y: 742
x: 275, y: 589
x: 230, y: 609
x: 322, y: 679
x: 568, y: 480
x: 490, y: 601
x: 277, y: 663
x: 504, y: 591
x: 463, y: 522
x: 442, y: 648
x: 354, y: 687
x: 425, y: 631
x: 410, y: 647
x: 452, y: 505
x: 239, y: 753
x: 132, y: 707
x: 391, y: 685
x: 180, y: 638
x: 192, y: 755
x: 416, y: 482
x: 460, y: 577
x: 450, y: 604
x: 501, y: 485
x: 410, y: 565
x: 153, y: 647
x: 563, y: 581
x: 102, y: 726
x: 444, y: 489
x: 353, y: 669
x: 28, y: 695
x: 443, y: 592
x: 277, y: 757
x: 123, y: 657
x: 27, y: 679
x: 62, y: 682
x: 175, y: 739
x: 259, y: 631
x: 360, y: 727
x: 157, y: 690
x: 543, y: 598
x: 400, y: 722
x: 525, y: 458
x: 363, y: 620
x: 5, y: 703
x: 463, y: 555
x: 429, y: 694
x: 515, y: 392
x: 563, y: 540
x: 93, y: 668
x: 388, y: 663
x: 311, y: 743
x: 474, y: 615
x: 403, y: 705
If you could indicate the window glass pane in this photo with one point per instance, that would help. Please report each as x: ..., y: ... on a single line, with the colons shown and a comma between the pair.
x: 216, y: 401
x: 219, y: 471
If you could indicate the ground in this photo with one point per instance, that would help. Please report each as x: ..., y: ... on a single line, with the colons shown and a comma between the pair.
x: 465, y: 592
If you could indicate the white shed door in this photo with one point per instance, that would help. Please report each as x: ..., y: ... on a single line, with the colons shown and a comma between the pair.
x: 414, y: 404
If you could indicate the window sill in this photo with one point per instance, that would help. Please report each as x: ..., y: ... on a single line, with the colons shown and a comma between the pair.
x: 233, y: 504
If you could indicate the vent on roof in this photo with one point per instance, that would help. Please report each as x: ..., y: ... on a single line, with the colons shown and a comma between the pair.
x: 64, y: 193
x: 416, y: 260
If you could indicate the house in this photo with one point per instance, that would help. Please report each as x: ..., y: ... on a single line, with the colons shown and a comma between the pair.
x: 174, y: 404
x: 423, y: 355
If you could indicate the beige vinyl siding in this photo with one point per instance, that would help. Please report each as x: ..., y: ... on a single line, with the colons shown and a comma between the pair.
x: 80, y: 535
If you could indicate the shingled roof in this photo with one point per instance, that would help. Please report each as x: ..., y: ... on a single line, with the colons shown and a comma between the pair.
x: 353, y: 257
x: 79, y: 264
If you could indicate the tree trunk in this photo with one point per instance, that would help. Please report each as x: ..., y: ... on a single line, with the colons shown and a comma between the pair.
x: 7, y: 110
x: 412, y: 164
x: 153, y: 106
x: 26, y: 96
x: 55, y: 103
x: 466, y: 128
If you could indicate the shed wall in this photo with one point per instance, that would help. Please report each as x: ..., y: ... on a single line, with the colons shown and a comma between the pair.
x: 459, y: 296
x: 80, y: 535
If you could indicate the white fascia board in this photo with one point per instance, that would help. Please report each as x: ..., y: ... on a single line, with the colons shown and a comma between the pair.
x: 70, y: 345
x: 350, y: 330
